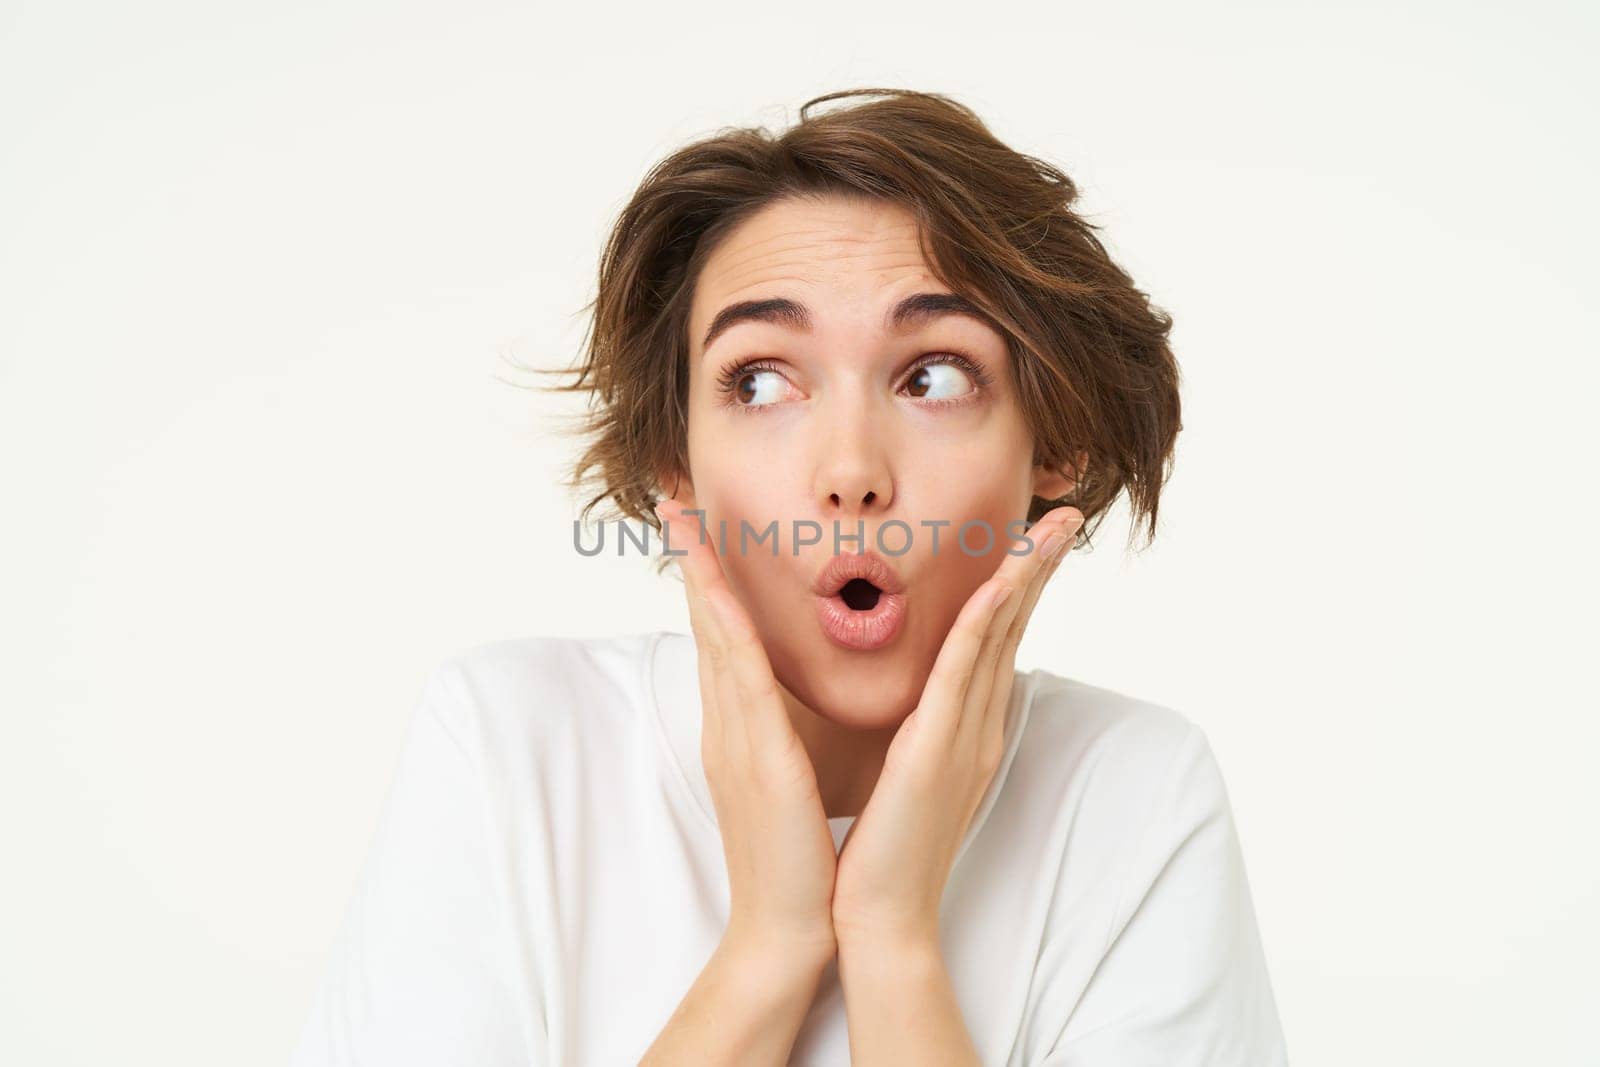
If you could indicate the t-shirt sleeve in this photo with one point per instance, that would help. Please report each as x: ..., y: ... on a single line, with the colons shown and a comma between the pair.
x: 1183, y: 979
x: 418, y: 971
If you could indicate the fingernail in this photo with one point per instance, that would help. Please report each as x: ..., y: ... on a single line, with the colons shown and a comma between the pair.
x: 1054, y: 545
x: 998, y: 597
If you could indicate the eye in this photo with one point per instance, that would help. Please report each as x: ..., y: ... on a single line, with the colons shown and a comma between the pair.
x: 945, y: 377
x: 937, y: 381
x: 751, y: 385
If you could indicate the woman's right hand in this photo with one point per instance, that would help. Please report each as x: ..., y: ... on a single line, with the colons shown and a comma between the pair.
x: 775, y: 836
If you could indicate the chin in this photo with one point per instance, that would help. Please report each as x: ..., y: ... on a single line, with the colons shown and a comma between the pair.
x: 859, y: 690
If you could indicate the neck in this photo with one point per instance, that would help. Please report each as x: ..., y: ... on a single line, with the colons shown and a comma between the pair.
x: 847, y: 762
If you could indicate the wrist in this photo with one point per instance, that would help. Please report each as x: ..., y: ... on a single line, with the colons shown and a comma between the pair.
x: 764, y: 949
x: 881, y: 948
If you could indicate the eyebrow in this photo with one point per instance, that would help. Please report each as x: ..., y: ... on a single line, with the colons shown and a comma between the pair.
x: 915, y: 310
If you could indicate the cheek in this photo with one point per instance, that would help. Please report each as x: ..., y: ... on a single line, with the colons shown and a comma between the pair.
x: 746, y: 497
x: 973, y: 469
x: 741, y: 505
x: 986, y: 490
x: 990, y: 494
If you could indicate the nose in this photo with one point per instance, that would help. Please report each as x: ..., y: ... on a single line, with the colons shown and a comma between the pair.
x: 853, y: 474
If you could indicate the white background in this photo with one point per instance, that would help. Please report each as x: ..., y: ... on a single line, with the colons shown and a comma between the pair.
x: 265, y: 459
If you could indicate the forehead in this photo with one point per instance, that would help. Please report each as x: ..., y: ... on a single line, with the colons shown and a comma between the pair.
x: 848, y: 253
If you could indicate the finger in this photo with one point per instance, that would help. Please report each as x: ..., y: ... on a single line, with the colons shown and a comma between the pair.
x: 696, y: 554
x: 945, y: 694
x: 713, y: 745
x: 1051, y: 536
x: 1073, y: 522
x: 1053, y: 548
x: 760, y: 699
x: 754, y: 696
x: 724, y: 725
x: 745, y: 697
x: 736, y: 718
x: 1026, y: 572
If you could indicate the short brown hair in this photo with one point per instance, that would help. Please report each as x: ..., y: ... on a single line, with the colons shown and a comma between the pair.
x: 1089, y: 352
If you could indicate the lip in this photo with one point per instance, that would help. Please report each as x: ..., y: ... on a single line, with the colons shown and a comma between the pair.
x: 860, y: 631
x: 868, y: 565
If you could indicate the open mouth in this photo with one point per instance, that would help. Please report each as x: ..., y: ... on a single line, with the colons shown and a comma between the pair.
x: 861, y: 617
x: 859, y: 594
x: 861, y: 602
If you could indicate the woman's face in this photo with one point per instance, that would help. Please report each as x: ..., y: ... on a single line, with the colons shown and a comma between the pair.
x: 850, y: 416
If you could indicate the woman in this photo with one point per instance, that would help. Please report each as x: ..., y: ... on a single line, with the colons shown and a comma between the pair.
x: 833, y: 825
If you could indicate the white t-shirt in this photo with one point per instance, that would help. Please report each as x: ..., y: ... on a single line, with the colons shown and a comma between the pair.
x: 547, y: 880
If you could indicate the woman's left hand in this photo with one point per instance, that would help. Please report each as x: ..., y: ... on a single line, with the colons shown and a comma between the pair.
x: 898, y: 855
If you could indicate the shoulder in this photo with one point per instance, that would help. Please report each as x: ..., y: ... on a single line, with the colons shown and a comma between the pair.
x: 545, y: 661
x: 514, y: 686
x: 1151, y: 886
x: 1106, y: 732
x: 1129, y: 768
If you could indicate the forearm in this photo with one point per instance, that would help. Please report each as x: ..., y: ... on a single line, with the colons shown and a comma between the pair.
x: 901, y: 1006
x: 745, y: 1007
